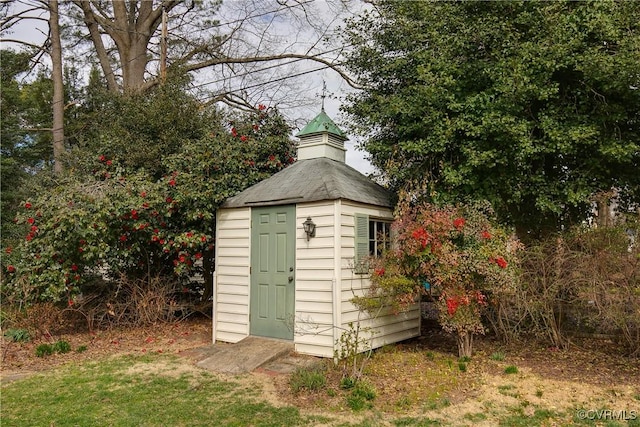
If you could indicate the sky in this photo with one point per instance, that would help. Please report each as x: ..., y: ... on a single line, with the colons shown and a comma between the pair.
x: 311, y: 84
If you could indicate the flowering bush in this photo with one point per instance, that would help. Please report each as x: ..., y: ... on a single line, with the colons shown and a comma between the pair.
x: 464, y: 256
x: 113, y: 221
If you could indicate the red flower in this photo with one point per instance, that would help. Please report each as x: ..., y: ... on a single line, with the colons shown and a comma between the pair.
x: 102, y: 158
x: 123, y: 238
x: 379, y: 271
x: 262, y: 107
x: 198, y: 255
x: 134, y: 214
x: 256, y: 127
x: 172, y: 183
x: 74, y: 267
x: 243, y: 138
x: 29, y: 237
x: 501, y: 262
x: 31, y: 220
x: 183, y: 258
x: 169, y: 200
x: 27, y: 205
x: 70, y: 302
x: 189, y: 234
x: 11, y: 269
x: 234, y: 132
x: 421, y: 236
x: 272, y: 158
x: 458, y: 223
x: 9, y: 250
x: 452, y: 306
x: 143, y: 194
x: 109, y: 163
x: 203, y: 239
x: 34, y: 228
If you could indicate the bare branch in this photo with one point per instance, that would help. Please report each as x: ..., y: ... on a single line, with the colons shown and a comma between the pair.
x: 225, y: 60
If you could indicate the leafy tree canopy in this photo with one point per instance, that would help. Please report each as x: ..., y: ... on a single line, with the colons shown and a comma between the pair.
x: 534, y: 106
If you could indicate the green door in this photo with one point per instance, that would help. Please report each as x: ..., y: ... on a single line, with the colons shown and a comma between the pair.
x: 272, y: 270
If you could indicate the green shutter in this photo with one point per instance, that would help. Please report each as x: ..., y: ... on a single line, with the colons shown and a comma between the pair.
x: 362, y: 244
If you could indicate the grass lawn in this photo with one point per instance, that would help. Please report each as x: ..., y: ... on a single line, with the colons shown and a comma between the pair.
x: 151, y: 390
x: 148, y: 377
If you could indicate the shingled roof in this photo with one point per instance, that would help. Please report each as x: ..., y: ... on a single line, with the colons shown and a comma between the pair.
x: 313, y: 180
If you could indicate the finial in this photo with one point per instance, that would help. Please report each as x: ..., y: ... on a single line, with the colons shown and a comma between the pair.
x: 324, y: 91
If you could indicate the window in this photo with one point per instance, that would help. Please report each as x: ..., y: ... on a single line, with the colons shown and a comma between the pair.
x: 379, y: 237
x: 372, y: 238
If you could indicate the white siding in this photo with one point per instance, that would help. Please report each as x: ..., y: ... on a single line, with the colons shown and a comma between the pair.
x: 231, y: 310
x: 314, y: 280
x: 387, y: 328
x: 324, y: 279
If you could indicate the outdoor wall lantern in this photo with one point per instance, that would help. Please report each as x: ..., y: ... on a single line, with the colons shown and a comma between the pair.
x: 309, y: 228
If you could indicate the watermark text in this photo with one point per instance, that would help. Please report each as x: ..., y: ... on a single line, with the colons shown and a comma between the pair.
x: 607, y: 414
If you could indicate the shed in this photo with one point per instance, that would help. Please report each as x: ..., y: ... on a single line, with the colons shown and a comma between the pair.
x: 274, y: 280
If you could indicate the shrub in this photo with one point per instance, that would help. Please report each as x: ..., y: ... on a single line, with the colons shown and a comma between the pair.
x: 307, y: 379
x: 511, y: 369
x: 497, y: 356
x: 460, y: 251
x: 62, y: 347
x: 17, y: 335
x: 44, y: 350
x: 110, y: 216
x: 361, y: 396
x: 585, y: 280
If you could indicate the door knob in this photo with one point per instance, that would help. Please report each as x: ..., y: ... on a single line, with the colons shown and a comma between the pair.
x: 290, y: 278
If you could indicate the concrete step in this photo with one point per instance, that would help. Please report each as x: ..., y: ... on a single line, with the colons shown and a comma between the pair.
x: 244, y: 356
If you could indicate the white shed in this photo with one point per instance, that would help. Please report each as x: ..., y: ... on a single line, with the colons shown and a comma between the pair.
x: 273, y: 280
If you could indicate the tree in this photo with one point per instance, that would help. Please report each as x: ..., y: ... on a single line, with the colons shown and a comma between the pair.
x: 127, y: 39
x: 58, y: 87
x: 534, y: 106
x: 25, y: 137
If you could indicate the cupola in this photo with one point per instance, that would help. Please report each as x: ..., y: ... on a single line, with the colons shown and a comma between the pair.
x: 321, y: 137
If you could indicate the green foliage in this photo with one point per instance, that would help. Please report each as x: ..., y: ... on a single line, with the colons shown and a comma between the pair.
x: 110, y: 217
x: 361, y: 396
x: 511, y: 369
x: 308, y: 379
x: 531, y: 105
x: 497, y: 356
x: 18, y: 335
x: 460, y: 251
x: 347, y: 383
x: 22, y: 151
x: 81, y: 349
x: 44, y: 350
x: 132, y: 386
x: 62, y: 347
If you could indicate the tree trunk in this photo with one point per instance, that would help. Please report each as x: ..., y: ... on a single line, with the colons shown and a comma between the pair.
x: 465, y: 344
x: 58, y: 88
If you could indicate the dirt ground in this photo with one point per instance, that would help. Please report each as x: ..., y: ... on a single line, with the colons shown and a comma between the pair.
x: 418, y: 378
